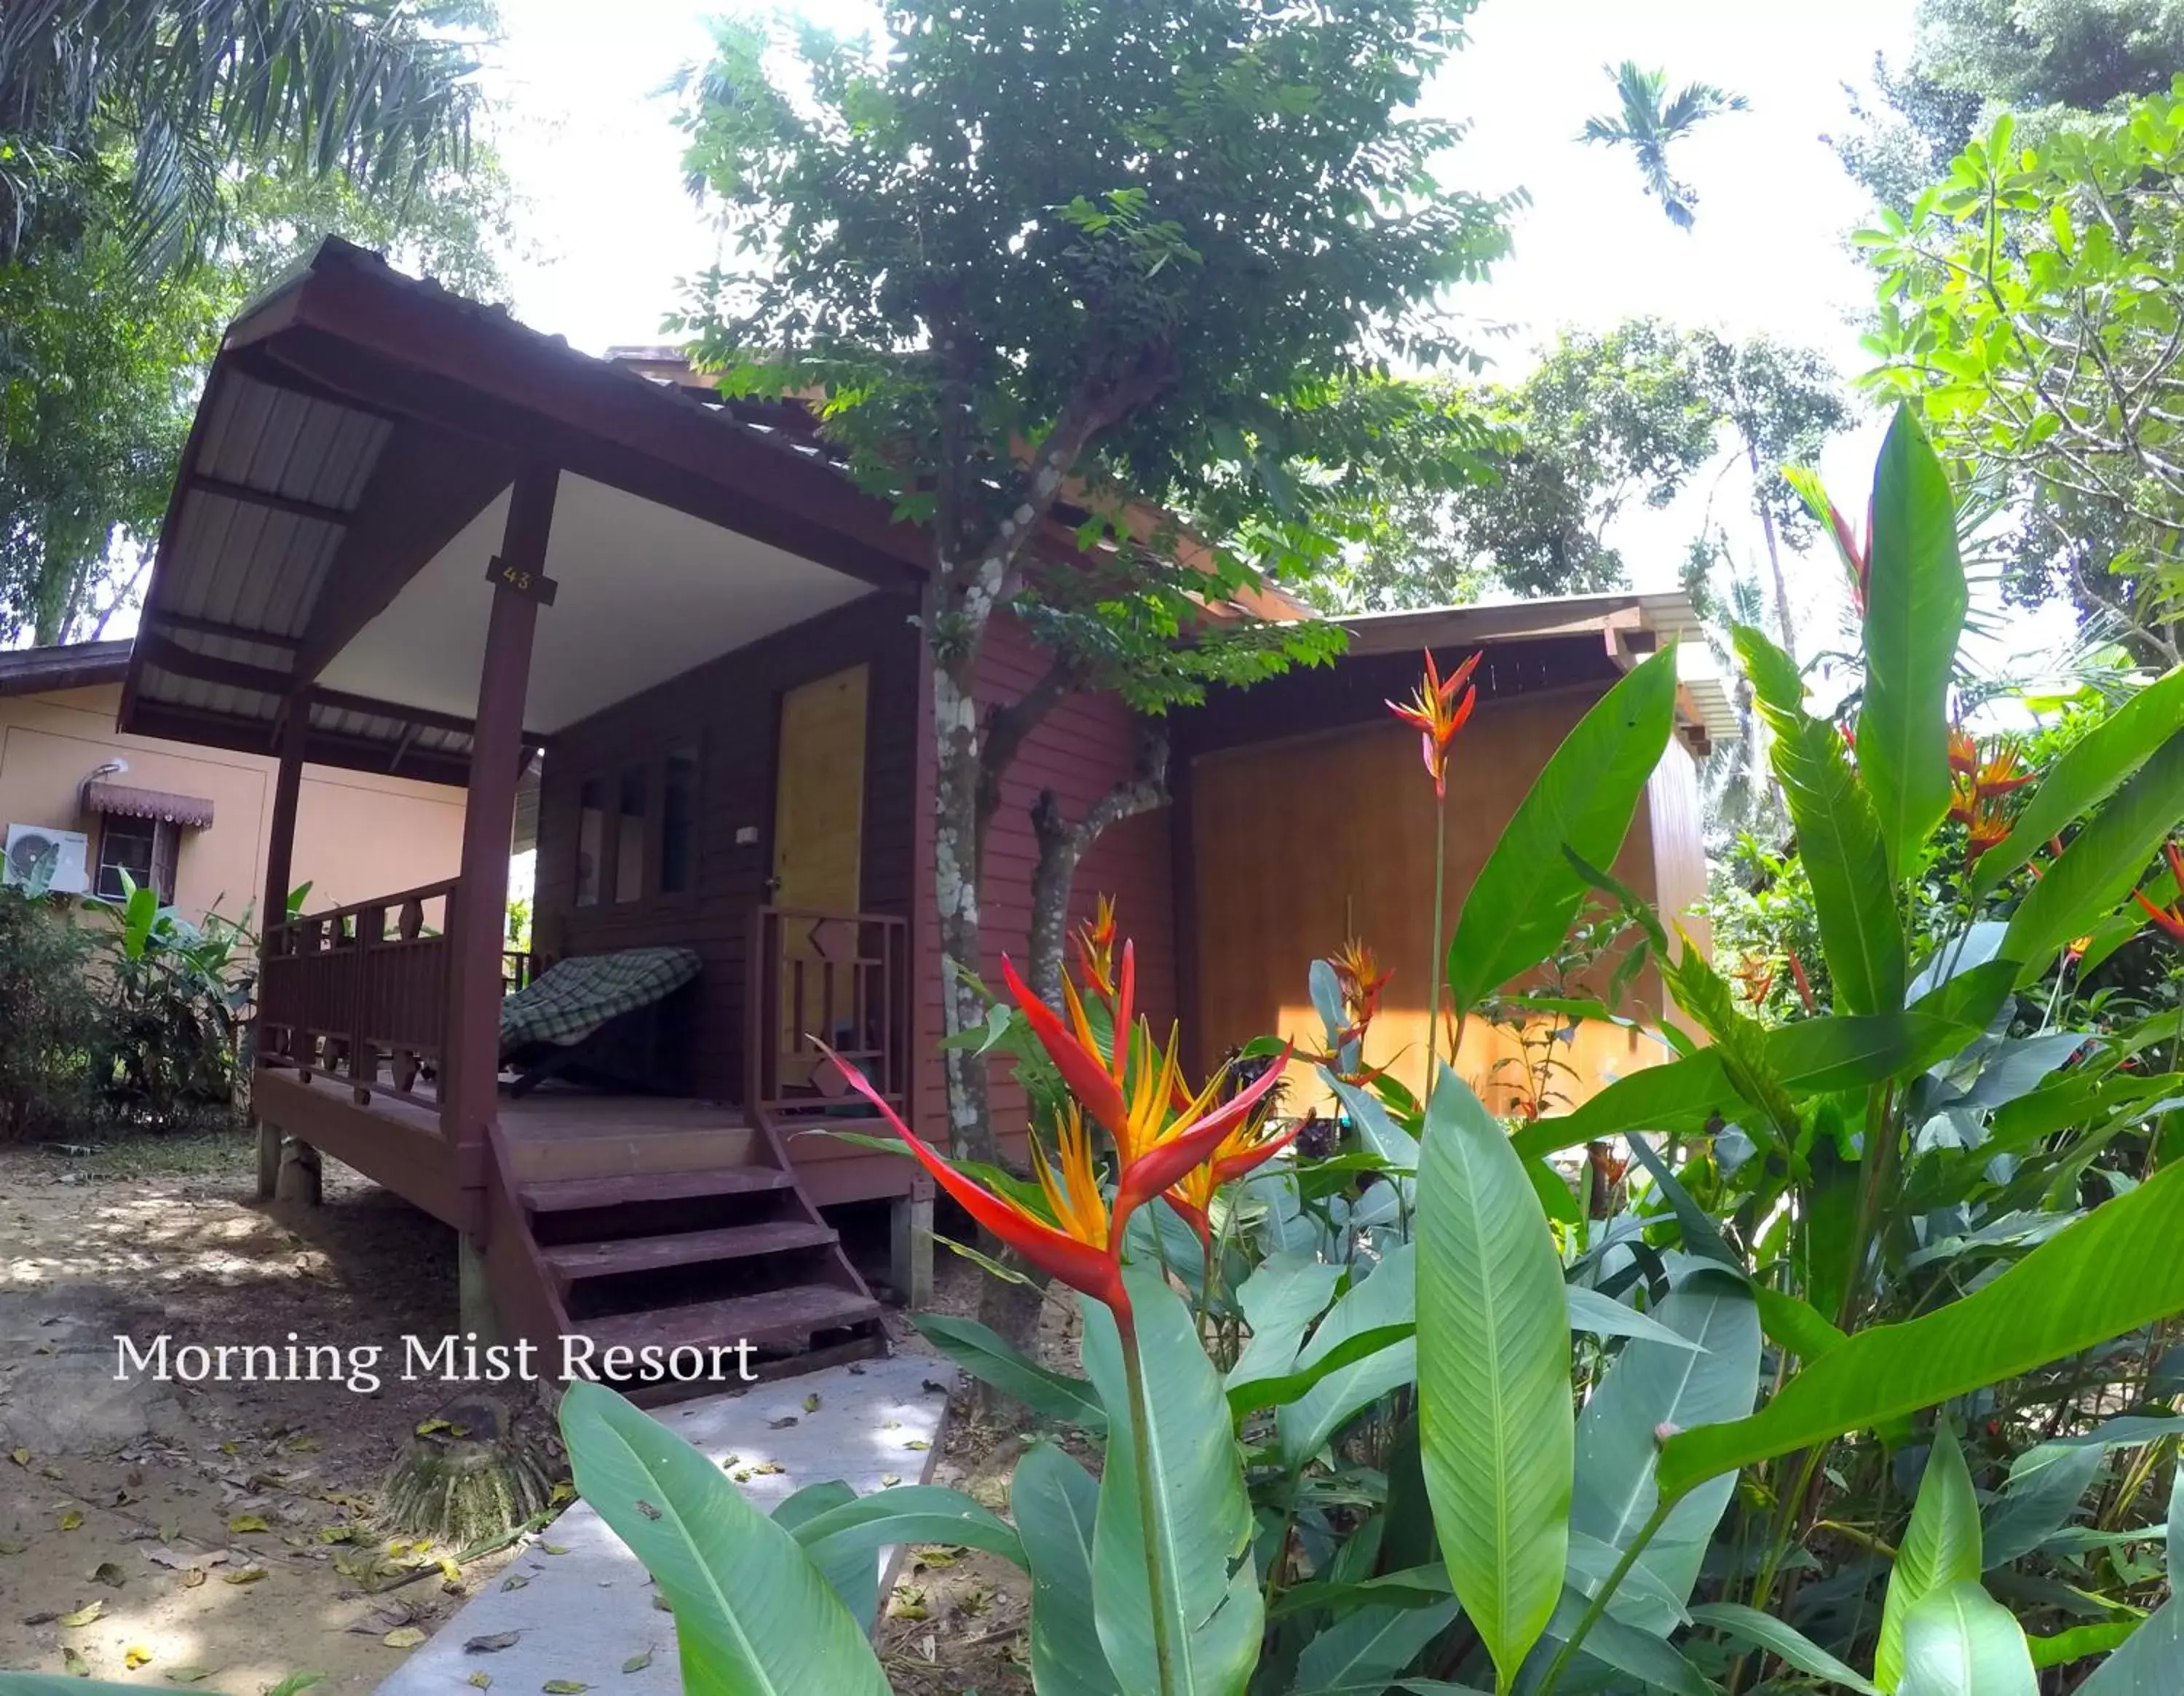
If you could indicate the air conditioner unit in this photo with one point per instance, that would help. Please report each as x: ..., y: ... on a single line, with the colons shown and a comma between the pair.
x: 31, y: 845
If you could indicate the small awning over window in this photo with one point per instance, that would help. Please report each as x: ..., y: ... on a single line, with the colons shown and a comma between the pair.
x: 192, y: 811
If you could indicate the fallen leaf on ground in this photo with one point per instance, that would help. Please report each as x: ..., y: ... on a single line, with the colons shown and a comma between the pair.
x: 73, y: 1663
x: 404, y: 1637
x: 637, y: 1663
x: 514, y: 1581
x: 917, y: 1442
x: 811, y: 1403
x: 135, y: 1655
x: 663, y: 1605
x: 781, y: 1424
x: 21, y: 1457
x: 562, y: 1492
x: 192, y: 1577
x: 186, y: 1675
x: 84, y: 1616
x: 7, y: 1547
x: 109, y: 1573
x: 564, y: 1687
x: 481, y: 1681
x: 555, y: 1548
x: 71, y: 1518
x: 493, y: 1645
x: 242, y: 1574
x: 244, y: 1524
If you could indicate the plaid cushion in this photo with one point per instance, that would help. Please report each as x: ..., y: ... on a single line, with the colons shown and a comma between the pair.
x: 572, y: 998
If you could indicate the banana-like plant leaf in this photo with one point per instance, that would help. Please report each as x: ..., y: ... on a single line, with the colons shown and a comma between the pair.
x: 1280, y: 1300
x: 2103, y: 864
x: 754, y: 1615
x: 912, y: 1512
x: 2086, y: 773
x: 2088, y: 1283
x: 1640, y: 1655
x: 1792, y: 1646
x: 1941, y: 1547
x: 1205, y: 1586
x: 1839, y: 835
x: 1384, y: 1300
x: 2079, y: 1642
x: 1681, y: 1097
x: 1714, y: 1374
x: 1056, y: 1506
x: 985, y: 1354
x: 2045, y: 1485
x: 1353, y: 1350
x: 1522, y: 903
x: 1599, y: 1316
x: 1496, y: 1432
x: 1960, y: 1642
x: 1702, y: 1236
x: 1795, y: 1326
x: 1364, y: 1649
x: 1915, y: 601
x: 853, y: 1574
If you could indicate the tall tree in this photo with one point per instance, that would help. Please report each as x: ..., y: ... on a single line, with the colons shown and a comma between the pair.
x: 1055, y: 270
x: 2030, y: 305
x: 175, y: 92
x: 1973, y: 60
x: 1649, y: 120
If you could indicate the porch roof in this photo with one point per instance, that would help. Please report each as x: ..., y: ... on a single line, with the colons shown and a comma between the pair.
x: 345, y: 487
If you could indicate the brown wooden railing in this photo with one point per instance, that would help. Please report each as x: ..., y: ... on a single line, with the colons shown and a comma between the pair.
x: 350, y: 991
x: 842, y: 977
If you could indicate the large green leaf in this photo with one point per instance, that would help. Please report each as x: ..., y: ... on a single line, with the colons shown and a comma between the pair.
x: 1653, y: 1384
x: 754, y: 1615
x: 984, y: 1354
x: 853, y: 1574
x: 1960, y: 1642
x: 1496, y: 1432
x: 1599, y: 1316
x: 1765, y: 1630
x: 2152, y: 1659
x: 1915, y: 601
x: 1357, y: 1349
x: 913, y: 1513
x: 2086, y: 773
x: 1280, y: 1300
x: 1374, y: 1304
x: 1056, y: 1504
x: 1839, y: 835
x: 2103, y: 864
x: 2045, y: 1485
x: 1204, y: 1585
x: 2088, y: 1283
x: 1362, y: 1649
x: 1521, y: 904
x: 1941, y: 1547
x: 1679, y: 1098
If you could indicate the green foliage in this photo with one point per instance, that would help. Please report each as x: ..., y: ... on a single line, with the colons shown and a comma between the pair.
x: 45, y: 1073
x: 2027, y: 299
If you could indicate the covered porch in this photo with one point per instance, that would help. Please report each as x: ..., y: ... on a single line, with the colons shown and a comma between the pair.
x: 410, y: 535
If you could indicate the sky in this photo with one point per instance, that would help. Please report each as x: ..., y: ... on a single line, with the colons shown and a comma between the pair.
x: 589, y: 141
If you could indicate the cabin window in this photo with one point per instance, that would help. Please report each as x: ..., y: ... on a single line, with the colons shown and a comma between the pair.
x: 144, y: 848
x: 678, y: 820
x: 629, y: 836
x: 591, y: 839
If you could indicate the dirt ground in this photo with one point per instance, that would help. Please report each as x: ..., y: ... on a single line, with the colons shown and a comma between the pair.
x: 232, y: 1542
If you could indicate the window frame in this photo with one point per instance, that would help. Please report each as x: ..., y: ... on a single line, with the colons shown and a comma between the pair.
x: 163, y: 859
x: 609, y: 775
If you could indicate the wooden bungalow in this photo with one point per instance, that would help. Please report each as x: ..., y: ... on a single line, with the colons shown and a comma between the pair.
x: 411, y: 536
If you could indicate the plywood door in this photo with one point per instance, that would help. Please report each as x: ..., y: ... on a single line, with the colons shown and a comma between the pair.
x: 818, y: 848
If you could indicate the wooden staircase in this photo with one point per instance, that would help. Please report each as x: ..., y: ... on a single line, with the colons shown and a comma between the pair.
x: 636, y: 1245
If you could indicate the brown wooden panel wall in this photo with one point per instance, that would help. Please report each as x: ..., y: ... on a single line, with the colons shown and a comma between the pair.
x: 1082, y: 749
x: 1297, y: 842
x: 731, y: 707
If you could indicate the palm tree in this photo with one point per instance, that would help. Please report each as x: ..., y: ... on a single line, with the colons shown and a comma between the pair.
x: 1649, y: 121
x: 171, y: 93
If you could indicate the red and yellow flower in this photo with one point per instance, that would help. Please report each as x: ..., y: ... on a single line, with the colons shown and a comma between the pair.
x: 1439, y: 709
x: 1977, y: 783
x: 1096, y: 947
x: 1133, y: 1090
x: 1243, y: 1151
x: 2170, y: 918
x: 1359, y: 978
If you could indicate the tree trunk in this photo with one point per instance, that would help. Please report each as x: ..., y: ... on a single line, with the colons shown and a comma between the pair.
x: 957, y: 776
x: 1788, y: 624
x: 1014, y: 1310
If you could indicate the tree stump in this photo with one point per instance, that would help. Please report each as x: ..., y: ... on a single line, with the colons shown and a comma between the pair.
x: 474, y: 1471
x: 299, y: 1178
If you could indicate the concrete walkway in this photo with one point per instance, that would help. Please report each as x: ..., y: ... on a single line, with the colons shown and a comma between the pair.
x: 584, y: 1613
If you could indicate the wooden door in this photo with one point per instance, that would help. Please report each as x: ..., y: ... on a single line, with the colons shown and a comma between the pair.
x: 819, y: 795
x: 818, y: 863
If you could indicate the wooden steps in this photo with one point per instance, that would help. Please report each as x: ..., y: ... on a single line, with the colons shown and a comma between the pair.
x: 791, y: 1314
x: 571, y: 1260
x: 565, y: 1195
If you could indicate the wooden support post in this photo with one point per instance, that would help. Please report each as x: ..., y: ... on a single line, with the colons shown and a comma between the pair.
x: 273, y: 908
x: 477, y: 920
x: 910, y: 1244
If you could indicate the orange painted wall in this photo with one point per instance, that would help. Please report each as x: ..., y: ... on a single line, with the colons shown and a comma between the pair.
x: 357, y: 834
x: 1299, y: 842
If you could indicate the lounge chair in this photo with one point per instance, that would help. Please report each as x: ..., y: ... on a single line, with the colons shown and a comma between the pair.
x: 598, y: 1019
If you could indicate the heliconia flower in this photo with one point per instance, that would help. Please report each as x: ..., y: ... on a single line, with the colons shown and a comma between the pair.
x: 1096, y: 947
x: 2004, y: 771
x: 1243, y: 1151
x: 1439, y: 709
x: 2170, y: 918
x: 1804, y: 984
x: 1963, y: 752
x: 1358, y: 975
x: 1989, y: 828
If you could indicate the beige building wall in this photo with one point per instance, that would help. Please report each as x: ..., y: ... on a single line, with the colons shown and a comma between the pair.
x: 357, y: 834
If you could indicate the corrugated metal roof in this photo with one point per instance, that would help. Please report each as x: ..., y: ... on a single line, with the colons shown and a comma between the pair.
x: 66, y: 665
